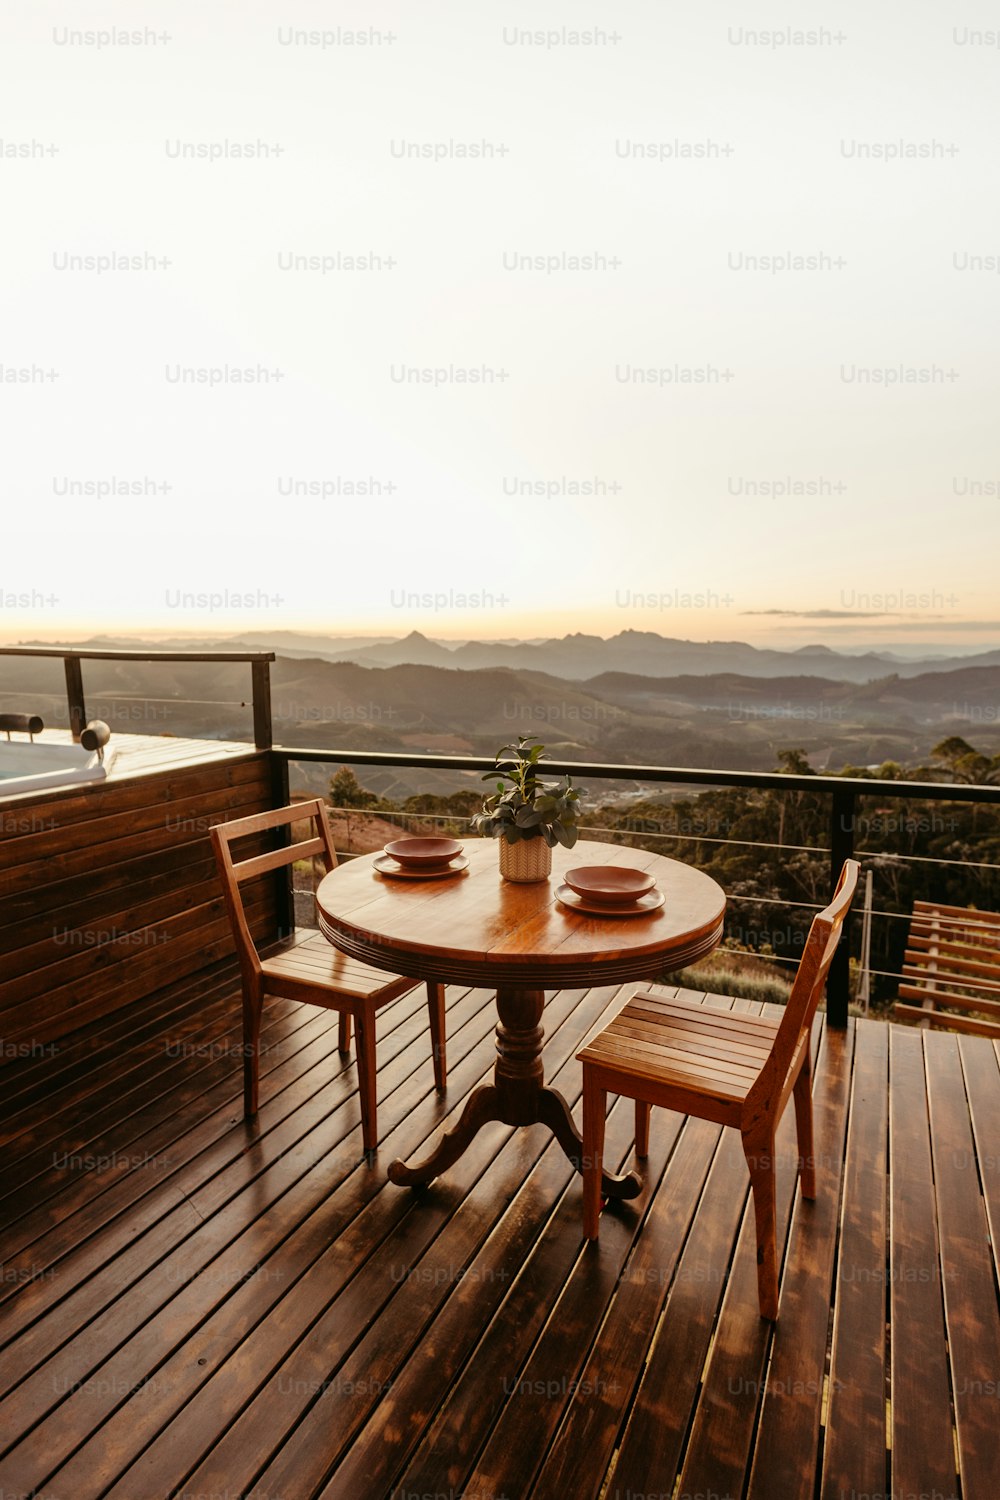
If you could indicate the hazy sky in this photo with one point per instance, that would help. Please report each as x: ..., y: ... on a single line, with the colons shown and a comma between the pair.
x: 552, y: 199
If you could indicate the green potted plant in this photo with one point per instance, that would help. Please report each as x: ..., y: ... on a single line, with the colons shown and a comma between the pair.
x: 528, y: 816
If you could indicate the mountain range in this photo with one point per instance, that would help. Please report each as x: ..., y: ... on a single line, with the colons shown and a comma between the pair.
x: 723, y: 719
x: 578, y: 657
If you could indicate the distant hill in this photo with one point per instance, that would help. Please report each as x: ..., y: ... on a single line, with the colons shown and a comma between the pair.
x: 580, y: 657
x: 577, y: 657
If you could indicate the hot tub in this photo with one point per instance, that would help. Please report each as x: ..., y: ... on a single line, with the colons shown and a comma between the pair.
x: 27, y: 766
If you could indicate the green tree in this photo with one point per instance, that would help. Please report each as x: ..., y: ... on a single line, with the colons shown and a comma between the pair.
x: 347, y: 791
x: 961, y: 762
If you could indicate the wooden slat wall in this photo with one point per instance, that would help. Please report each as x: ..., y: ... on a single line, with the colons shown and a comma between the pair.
x: 108, y: 894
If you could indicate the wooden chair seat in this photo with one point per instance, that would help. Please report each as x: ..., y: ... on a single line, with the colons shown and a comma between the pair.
x: 310, y: 969
x: 313, y: 964
x: 680, y: 1041
x: 734, y: 1069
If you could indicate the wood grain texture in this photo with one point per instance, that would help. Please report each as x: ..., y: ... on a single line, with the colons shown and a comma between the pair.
x: 254, y: 1310
x: 477, y: 928
x: 109, y: 892
x: 952, y: 961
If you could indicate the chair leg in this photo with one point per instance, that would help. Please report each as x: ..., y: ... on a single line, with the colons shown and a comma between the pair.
x: 365, y: 1026
x: 435, y: 1004
x: 253, y: 1006
x: 344, y: 1032
x: 802, y: 1094
x: 595, y: 1102
x: 760, y: 1160
x: 642, y: 1114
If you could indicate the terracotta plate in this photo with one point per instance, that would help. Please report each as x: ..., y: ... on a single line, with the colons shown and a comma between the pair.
x: 609, y: 883
x: 388, y: 866
x: 416, y: 852
x: 650, y: 902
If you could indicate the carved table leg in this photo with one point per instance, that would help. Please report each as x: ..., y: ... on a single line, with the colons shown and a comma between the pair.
x: 480, y: 1108
x: 554, y: 1112
x: 517, y: 1096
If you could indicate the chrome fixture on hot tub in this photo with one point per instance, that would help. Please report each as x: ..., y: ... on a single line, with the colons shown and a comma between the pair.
x: 29, y: 724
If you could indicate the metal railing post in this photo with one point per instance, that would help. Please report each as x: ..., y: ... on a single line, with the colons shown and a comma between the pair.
x: 284, y: 890
x: 74, y: 696
x: 263, y: 734
x: 838, y: 984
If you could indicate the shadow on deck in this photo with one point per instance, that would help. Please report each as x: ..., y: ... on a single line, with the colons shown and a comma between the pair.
x: 193, y: 1308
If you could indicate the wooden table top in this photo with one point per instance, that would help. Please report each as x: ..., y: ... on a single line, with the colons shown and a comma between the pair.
x: 476, y: 928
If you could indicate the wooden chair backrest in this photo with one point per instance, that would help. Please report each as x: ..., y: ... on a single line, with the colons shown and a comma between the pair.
x: 235, y: 872
x: 810, y: 981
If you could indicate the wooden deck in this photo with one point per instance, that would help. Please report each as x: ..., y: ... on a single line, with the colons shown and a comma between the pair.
x: 193, y: 1308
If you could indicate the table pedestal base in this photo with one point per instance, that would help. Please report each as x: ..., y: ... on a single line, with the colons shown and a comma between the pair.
x: 517, y: 1096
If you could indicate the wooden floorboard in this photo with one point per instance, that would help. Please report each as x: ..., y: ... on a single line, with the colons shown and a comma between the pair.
x: 855, y: 1453
x: 967, y: 1268
x: 790, y: 1423
x: 923, y: 1450
x: 215, y: 1309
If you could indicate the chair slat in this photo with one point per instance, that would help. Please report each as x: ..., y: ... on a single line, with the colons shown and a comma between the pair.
x: 627, y: 1052
x: 687, y: 1038
x: 276, y: 858
x: 705, y: 1017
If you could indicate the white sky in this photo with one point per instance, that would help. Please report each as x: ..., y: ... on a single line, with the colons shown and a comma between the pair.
x: 907, y: 470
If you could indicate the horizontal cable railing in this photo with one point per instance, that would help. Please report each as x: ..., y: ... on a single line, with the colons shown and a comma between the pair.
x: 843, y: 793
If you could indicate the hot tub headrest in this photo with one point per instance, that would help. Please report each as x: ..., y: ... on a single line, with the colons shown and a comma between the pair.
x: 96, y: 735
x: 22, y: 723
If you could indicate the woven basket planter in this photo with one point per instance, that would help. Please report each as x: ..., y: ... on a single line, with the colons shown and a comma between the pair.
x: 526, y: 861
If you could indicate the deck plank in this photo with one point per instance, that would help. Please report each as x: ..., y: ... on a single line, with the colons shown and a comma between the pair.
x: 720, y: 1448
x: 788, y: 1432
x: 983, y: 1088
x: 971, y: 1312
x: 854, y: 1457
x: 294, y: 1102
x: 923, y: 1452
x: 652, y: 1445
x: 594, y: 1416
x: 266, y: 1315
x: 332, y: 1319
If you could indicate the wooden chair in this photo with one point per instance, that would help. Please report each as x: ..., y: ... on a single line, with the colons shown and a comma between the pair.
x: 310, y: 969
x: 952, y: 960
x: 735, y: 1069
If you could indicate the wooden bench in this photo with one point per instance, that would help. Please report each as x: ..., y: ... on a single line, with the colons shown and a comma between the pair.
x: 952, y: 960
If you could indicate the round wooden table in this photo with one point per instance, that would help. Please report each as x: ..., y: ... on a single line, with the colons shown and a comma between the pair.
x: 476, y: 929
